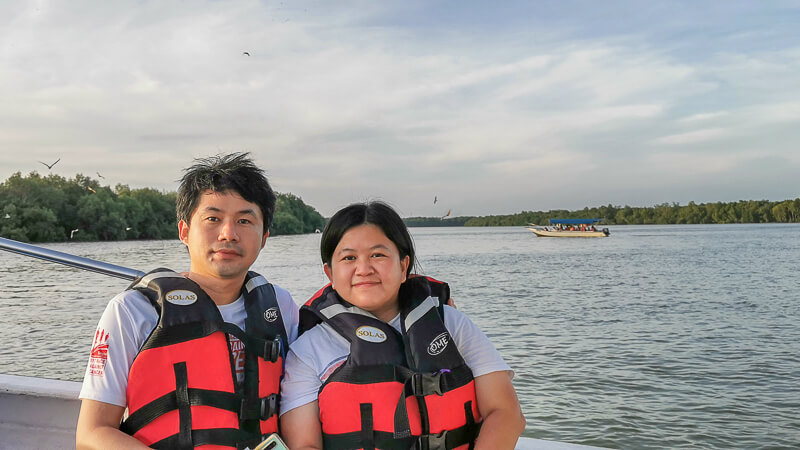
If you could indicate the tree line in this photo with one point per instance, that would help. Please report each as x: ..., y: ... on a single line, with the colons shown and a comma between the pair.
x: 436, y: 221
x: 743, y: 211
x: 34, y: 208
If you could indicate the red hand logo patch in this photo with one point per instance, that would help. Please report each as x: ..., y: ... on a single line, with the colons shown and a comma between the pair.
x: 99, y: 354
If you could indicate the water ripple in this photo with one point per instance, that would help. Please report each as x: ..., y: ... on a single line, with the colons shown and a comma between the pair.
x: 656, y: 337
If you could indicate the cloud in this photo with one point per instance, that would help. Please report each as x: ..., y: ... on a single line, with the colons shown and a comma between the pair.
x: 692, y: 137
x: 364, y: 98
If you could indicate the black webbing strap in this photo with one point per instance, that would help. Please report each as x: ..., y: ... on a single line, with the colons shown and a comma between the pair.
x: 424, y: 384
x: 371, y: 374
x: 450, y: 439
x: 367, y: 427
x: 473, y: 428
x: 184, y: 407
x: 418, y: 385
x: 197, y: 397
x: 229, y: 437
x: 351, y: 441
x: 385, y: 440
x: 268, y: 349
x: 161, y: 337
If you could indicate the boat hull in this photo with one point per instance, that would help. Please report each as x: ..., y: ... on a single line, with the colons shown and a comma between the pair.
x: 42, y: 413
x: 581, y: 234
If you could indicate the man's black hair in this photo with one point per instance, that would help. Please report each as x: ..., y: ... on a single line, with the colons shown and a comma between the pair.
x: 232, y: 172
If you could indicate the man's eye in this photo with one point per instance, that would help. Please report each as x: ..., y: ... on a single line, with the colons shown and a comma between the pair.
x: 348, y: 258
x: 378, y: 255
x: 244, y: 221
x: 212, y: 219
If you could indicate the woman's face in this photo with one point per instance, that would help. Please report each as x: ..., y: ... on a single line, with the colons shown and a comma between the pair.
x: 367, y: 271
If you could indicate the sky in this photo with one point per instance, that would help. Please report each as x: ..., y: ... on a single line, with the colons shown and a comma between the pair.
x: 485, y: 107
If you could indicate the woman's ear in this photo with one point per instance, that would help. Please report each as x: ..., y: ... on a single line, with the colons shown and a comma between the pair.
x: 404, y: 264
x: 328, y: 273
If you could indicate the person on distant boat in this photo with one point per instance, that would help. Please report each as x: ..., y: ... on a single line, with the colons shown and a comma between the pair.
x: 381, y: 362
x: 196, y: 357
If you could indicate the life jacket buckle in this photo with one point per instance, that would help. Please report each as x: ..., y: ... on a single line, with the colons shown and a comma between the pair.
x: 272, y: 349
x: 262, y: 409
x: 423, y: 384
x: 269, y: 406
x: 432, y: 441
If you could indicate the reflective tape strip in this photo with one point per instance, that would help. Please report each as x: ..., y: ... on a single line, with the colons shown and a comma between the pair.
x: 335, y: 310
x: 148, y: 278
x: 426, y: 305
x: 254, y: 283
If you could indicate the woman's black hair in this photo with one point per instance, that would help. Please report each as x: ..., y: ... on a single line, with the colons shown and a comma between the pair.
x: 375, y: 213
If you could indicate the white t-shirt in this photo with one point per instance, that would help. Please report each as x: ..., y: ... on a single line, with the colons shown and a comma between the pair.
x: 318, y: 352
x: 127, y: 322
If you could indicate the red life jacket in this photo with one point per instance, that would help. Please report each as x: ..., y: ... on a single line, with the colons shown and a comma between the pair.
x: 182, y: 390
x: 395, y: 390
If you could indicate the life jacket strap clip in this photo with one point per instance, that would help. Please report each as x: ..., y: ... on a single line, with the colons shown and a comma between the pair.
x: 423, y: 384
x: 272, y: 349
x: 432, y: 441
x: 263, y: 409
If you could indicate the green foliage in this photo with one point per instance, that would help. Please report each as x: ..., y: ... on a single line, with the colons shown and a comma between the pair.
x: 47, y: 209
x: 743, y: 211
x: 292, y: 216
x: 436, y: 221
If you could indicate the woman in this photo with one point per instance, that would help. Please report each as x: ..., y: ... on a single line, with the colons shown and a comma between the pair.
x: 383, y: 363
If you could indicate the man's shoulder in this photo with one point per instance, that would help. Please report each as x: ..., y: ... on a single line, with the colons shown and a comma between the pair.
x: 132, y: 303
x: 285, y: 300
x: 130, y: 297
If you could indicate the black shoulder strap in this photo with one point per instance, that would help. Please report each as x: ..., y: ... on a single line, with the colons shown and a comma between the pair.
x: 264, y: 318
x: 309, y: 312
x: 427, y: 341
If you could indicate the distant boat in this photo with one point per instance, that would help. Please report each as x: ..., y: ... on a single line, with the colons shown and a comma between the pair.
x: 570, y: 228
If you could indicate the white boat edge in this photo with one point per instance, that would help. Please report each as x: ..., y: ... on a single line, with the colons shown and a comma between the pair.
x: 552, y: 233
x: 43, y: 413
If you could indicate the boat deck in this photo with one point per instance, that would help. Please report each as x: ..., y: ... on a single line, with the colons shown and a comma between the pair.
x: 42, y: 413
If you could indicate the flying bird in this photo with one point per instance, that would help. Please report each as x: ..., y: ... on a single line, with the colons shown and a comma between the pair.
x: 50, y: 166
x: 8, y: 216
x: 448, y: 213
x: 98, y: 174
x: 72, y: 233
x: 90, y: 188
x: 434, y: 199
x: 246, y: 53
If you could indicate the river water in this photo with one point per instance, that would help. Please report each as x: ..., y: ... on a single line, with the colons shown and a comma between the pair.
x: 682, y: 336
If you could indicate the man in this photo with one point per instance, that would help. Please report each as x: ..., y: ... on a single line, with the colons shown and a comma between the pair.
x: 196, y: 358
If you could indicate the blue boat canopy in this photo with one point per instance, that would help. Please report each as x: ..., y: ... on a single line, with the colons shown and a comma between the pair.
x: 573, y: 221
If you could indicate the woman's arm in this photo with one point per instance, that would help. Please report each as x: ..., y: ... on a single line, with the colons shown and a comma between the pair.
x: 301, y: 428
x: 503, y: 421
x: 98, y: 427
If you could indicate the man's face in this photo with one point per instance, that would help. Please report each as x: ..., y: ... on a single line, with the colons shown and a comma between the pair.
x: 225, y: 236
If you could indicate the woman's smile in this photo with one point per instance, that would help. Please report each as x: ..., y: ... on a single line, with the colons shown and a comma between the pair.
x: 366, y: 270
